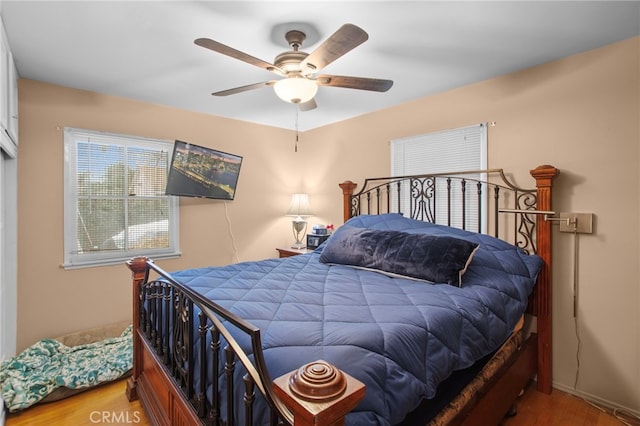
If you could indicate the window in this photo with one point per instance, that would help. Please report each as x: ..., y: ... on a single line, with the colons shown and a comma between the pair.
x: 115, y: 205
x: 455, y: 150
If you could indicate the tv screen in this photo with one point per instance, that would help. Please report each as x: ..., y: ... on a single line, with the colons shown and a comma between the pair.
x: 196, y: 171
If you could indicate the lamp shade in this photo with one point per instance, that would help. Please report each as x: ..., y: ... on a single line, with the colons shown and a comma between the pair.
x: 296, y: 90
x: 299, y: 206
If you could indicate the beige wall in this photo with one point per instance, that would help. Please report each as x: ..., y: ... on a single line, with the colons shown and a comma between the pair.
x: 53, y: 301
x: 580, y: 114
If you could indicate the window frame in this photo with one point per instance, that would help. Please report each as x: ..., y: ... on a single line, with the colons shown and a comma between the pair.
x: 448, y: 148
x: 73, y: 259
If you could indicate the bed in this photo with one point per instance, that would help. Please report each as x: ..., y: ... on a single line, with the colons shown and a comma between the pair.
x: 412, y: 312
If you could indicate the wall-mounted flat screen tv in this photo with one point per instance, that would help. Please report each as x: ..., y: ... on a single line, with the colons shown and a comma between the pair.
x: 196, y: 171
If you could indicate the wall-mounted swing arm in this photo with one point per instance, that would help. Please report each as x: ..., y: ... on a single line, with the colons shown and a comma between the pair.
x: 520, y: 211
x: 569, y: 222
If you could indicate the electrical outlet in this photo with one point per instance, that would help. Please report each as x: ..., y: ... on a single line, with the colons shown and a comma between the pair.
x: 581, y: 223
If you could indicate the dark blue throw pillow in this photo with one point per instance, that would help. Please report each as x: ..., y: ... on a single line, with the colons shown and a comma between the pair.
x: 437, y: 259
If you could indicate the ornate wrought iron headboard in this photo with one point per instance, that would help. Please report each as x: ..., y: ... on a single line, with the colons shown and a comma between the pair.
x: 472, y: 200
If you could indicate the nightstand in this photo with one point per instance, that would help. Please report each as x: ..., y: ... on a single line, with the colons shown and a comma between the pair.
x: 288, y: 251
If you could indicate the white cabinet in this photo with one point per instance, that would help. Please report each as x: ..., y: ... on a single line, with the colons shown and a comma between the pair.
x: 12, y: 99
x: 4, y: 81
x: 8, y: 213
x: 8, y: 98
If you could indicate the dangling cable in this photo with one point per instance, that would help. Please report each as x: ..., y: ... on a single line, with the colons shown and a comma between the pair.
x: 297, y: 132
x: 233, y: 239
x: 575, y: 305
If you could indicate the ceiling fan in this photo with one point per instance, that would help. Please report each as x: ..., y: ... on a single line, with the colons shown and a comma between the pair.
x: 300, y: 69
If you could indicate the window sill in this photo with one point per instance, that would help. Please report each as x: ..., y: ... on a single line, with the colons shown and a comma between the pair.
x: 116, y: 261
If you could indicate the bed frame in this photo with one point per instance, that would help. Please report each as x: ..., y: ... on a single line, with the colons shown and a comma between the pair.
x: 164, y: 370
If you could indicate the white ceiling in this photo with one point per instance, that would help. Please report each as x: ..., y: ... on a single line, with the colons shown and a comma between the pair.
x: 145, y: 50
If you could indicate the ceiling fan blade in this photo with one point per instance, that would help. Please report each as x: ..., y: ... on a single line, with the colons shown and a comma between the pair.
x: 342, y: 41
x: 233, y: 53
x: 308, y: 106
x: 362, y: 83
x: 244, y: 88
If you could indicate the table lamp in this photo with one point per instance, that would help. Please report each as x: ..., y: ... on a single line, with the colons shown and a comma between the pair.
x: 299, y: 209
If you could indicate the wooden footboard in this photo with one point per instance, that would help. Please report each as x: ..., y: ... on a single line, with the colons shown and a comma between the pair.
x: 170, y: 369
x: 180, y: 338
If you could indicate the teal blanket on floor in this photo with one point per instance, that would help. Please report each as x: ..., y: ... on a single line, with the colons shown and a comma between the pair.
x: 48, y: 365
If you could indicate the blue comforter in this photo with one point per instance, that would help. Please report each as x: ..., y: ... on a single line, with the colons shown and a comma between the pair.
x: 400, y: 337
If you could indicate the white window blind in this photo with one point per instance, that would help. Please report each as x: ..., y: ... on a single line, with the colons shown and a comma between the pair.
x: 447, y: 151
x: 115, y: 202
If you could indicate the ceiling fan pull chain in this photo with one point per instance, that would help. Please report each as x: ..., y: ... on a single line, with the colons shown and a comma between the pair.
x: 297, y: 133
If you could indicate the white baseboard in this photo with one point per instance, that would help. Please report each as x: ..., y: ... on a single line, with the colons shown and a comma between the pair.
x: 595, y: 399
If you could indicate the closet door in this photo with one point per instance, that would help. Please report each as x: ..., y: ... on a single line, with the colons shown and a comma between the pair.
x: 8, y: 255
x: 3, y: 321
x: 8, y: 203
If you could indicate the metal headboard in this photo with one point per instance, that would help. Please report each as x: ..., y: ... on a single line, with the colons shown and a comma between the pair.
x: 472, y: 200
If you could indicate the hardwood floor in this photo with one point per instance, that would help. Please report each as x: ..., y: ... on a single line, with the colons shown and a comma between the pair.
x: 108, y: 404
x: 558, y: 409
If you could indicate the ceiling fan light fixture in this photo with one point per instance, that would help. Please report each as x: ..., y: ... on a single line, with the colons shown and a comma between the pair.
x: 296, y: 90
x: 300, y: 70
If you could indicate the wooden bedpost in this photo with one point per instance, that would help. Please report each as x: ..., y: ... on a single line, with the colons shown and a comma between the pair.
x: 138, y: 266
x: 347, y: 192
x: 542, y: 293
x: 319, y: 394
